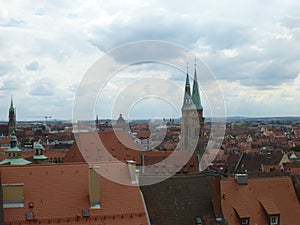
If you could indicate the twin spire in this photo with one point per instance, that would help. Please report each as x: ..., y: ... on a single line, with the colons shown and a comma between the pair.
x: 192, y: 102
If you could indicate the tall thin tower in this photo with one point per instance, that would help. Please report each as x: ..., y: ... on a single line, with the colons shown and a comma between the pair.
x: 192, y: 121
x: 11, y: 118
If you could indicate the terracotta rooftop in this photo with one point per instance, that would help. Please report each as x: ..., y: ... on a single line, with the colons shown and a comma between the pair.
x: 143, y: 134
x: 242, y: 211
x: 269, y: 206
x: 274, y: 195
x: 156, y: 158
x: 60, y: 192
x: 103, y: 147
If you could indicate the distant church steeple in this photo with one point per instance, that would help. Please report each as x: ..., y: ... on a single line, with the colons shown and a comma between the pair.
x: 11, y: 118
x: 97, y: 123
x: 192, y: 121
x: 195, y: 95
x: 187, y: 101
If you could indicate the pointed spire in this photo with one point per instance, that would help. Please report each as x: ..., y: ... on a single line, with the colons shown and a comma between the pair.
x: 11, y: 108
x: 187, y: 81
x: 187, y: 102
x: 195, y: 94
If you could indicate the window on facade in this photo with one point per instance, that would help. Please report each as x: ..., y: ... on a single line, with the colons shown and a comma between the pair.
x: 13, y: 195
x: 273, y: 220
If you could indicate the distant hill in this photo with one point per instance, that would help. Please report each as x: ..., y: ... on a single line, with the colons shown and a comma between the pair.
x: 177, y: 120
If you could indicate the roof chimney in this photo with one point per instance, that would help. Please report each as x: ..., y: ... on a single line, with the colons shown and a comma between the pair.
x: 132, y: 171
x: 94, y: 187
x: 242, y: 179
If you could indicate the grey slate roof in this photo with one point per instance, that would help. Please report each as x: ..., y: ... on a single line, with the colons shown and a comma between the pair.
x: 179, y: 199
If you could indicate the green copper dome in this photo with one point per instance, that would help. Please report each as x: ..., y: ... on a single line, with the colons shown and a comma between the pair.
x: 38, y: 145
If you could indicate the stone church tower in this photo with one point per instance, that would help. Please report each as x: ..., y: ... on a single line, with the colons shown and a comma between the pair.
x: 11, y: 118
x: 192, y: 121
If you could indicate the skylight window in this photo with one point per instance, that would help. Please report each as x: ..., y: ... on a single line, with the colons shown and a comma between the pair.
x: 29, y: 216
x: 85, y: 213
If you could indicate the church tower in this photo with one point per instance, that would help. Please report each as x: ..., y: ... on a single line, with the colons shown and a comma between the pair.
x: 97, y: 123
x: 11, y: 118
x: 192, y: 121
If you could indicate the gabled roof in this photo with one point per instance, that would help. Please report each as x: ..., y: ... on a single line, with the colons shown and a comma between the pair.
x: 59, y: 193
x: 269, y: 206
x: 253, y: 162
x: 103, y: 147
x: 241, y: 211
x: 157, y: 158
x: 231, y: 161
x: 272, y: 195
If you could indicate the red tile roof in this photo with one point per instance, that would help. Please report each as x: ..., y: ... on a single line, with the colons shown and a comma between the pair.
x: 242, y: 211
x: 176, y: 162
x: 103, y: 147
x: 276, y: 195
x: 60, y: 193
x: 143, y: 134
x: 269, y: 206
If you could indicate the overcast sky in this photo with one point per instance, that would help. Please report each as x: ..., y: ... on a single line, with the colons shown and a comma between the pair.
x: 252, y: 48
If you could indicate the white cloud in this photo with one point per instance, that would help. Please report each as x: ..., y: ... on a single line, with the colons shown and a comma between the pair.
x: 251, y: 46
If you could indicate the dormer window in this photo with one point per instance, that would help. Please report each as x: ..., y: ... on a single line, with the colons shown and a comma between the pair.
x: 245, y: 221
x: 243, y: 215
x: 274, y: 220
x: 271, y: 211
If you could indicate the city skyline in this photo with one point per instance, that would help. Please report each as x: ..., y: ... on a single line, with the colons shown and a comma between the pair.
x: 250, y: 47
